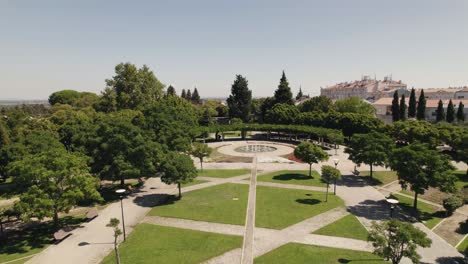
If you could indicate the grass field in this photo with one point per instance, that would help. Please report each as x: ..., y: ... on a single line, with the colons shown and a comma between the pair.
x: 223, y: 173
x: 428, y: 214
x: 380, y: 177
x: 225, y: 203
x: 157, y: 244
x: 294, y: 253
x: 463, y: 247
x: 347, y: 226
x: 300, y: 177
x: 279, y: 208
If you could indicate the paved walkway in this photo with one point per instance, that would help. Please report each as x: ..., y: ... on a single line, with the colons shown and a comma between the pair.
x: 247, y: 247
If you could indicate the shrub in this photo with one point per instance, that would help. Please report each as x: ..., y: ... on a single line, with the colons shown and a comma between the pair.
x: 452, y: 203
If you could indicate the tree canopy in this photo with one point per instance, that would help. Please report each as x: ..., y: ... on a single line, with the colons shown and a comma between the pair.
x: 394, y: 240
x: 412, y: 104
x: 354, y: 105
x: 317, y: 103
x: 421, y: 109
x: 372, y: 149
x: 395, y: 107
x: 130, y: 88
x: 178, y: 168
x: 440, y: 112
x: 310, y: 153
x: 282, y: 114
x: 56, y: 181
x: 419, y: 168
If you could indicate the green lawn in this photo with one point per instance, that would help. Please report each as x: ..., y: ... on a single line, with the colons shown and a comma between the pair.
x: 428, y: 214
x: 31, y: 240
x: 279, y: 208
x: 223, y: 173
x: 347, y: 226
x: 463, y: 247
x: 194, y: 182
x: 300, y: 177
x: 294, y: 253
x: 157, y: 244
x: 225, y: 203
x: 380, y: 177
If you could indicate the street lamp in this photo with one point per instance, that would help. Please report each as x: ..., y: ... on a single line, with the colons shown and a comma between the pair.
x: 393, y: 203
x: 121, y: 192
x: 335, y: 161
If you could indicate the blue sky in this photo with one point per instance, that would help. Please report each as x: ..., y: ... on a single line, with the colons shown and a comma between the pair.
x: 47, y: 46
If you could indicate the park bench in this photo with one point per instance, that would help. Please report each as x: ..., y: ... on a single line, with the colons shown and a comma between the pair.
x: 93, y: 213
x: 61, y: 235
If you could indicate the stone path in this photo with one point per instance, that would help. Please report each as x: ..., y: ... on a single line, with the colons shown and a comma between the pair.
x: 267, y: 240
x: 247, y: 247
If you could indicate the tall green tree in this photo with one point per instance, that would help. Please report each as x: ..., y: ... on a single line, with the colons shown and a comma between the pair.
x: 195, y: 97
x: 394, y: 240
x: 131, y: 88
x: 395, y: 107
x: 122, y: 150
x: 189, y: 95
x: 371, y: 149
x: 56, y: 180
x: 183, y: 94
x: 266, y: 105
x: 450, y: 112
x: 310, y: 153
x: 240, y: 100
x: 419, y: 168
x: 412, y: 104
x: 171, y: 91
x: 171, y: 122
x: 178, y: 168
x: 460, y: 112
x: 440, y: 112
x: 421, y: 110
x: 299, y: 94
x: 64, y: 97
x: 283, y: 94
x: 402, y: 108
x: 201, y: 151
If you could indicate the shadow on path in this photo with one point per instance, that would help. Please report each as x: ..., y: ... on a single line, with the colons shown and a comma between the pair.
x: 151, y: 200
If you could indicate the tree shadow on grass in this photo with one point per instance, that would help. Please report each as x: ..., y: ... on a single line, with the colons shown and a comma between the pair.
x: 291, y: 176
x: 36, y: 236
x: 462, y: 228
x: 421, y: 215
x: 152, y: 200
x: 343, y: 260
x: 308, y: 201
x: 451, y: 260
x: 371, y: 209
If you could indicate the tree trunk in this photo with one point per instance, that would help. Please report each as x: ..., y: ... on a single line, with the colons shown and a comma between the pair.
x: 370, y: 170
x: 1, y: 228
x: 326, y: 195
x: 310, y: 170
x: 116, y: 251
x: 201, y: 164
x: 334, y: 189
x: 415, y: 202
x: 122, y: 182
x: 56, y: 218
x: 180, y: 192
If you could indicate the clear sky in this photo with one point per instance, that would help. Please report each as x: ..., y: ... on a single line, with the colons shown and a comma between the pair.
x: 47, y: 46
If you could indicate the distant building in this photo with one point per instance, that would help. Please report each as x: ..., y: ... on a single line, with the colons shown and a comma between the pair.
x: 383, y: 107
x: 440, y: 93
x: 367, y: 89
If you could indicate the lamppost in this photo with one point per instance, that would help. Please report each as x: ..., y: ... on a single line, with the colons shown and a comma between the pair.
x: 393, y: 203
x: 335, y: 161
x: 121, y: 192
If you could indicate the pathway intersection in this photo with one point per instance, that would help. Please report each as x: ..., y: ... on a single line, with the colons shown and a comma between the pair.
x: 92, y: 242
